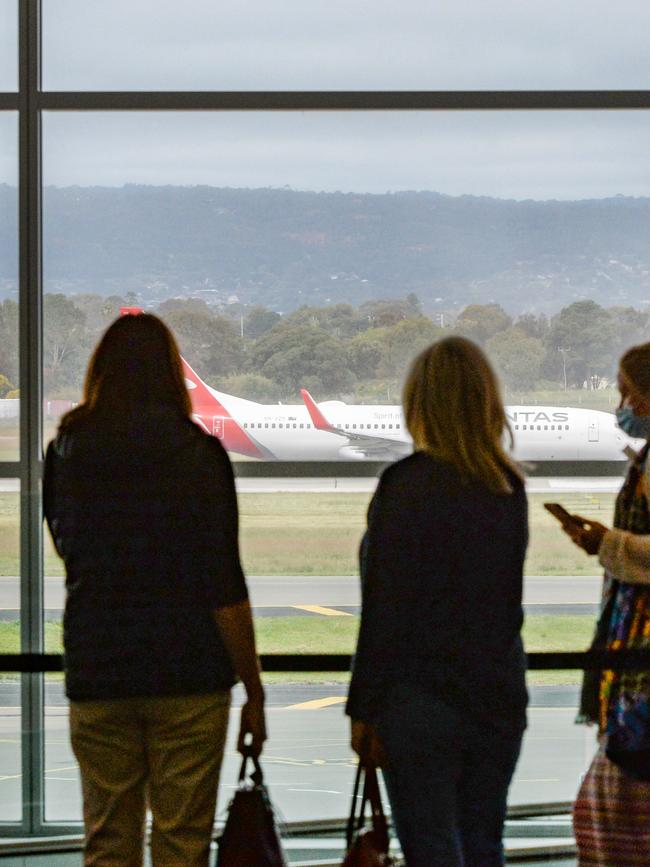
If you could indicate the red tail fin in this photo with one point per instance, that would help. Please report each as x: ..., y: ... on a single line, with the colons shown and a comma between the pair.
x: 317, y: 417
x: 209, y: 412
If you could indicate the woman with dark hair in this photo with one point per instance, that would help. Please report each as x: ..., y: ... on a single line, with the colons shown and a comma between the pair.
x: 611, y: 817
x: 141, y: 506
x: 438, y: 695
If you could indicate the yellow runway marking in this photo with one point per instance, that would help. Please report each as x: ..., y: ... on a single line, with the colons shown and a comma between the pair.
x: 317, y: 703
x: 320, y: 609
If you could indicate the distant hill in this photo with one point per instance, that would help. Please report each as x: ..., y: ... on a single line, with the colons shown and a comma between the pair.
x: 284, y: 248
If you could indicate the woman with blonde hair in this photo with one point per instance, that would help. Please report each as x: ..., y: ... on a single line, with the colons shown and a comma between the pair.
x: 157, y: 627
x: 438, y: 694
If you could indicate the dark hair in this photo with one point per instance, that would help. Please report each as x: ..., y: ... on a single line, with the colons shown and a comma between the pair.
x: 635, y: 364
x: 135, y: 366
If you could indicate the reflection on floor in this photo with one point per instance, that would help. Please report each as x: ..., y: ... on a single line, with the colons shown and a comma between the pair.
x: 541, y: 839
x: 74, y: 860
x: 308, y: 853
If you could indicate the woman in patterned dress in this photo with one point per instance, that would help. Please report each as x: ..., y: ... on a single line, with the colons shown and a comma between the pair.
x: 612, y: 810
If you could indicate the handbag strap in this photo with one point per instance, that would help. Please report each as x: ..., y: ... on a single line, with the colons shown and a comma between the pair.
x: 350, y: 827
x: 371, y: 795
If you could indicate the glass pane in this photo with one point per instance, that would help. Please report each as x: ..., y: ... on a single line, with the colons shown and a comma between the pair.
x: 8, y: 45
x: 494, y: 225
x: 9, y: 384
x: 309, y: 769
x: 10, y: 565
x: 556, y: 752
x: 351, y: 45
x: 268, y: 241
x: 62, y: 782
x: 10, y: 715
x: 10, y: 748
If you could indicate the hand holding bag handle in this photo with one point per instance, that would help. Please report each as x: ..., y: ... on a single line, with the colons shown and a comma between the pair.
x: 257, y: 776
x: 250, y: 837
x: 367, y: 847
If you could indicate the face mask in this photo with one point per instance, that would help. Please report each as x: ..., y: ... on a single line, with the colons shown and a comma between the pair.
x: 637, y: 426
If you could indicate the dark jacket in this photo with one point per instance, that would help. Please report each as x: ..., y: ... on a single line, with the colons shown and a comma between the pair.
x: 144, y: 515
x: 441, y: 568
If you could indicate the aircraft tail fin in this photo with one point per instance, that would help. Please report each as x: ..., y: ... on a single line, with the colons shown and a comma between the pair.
x: 318, y: 419
x: 209, y: 412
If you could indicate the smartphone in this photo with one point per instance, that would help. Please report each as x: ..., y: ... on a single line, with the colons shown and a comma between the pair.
x: 561, y: 514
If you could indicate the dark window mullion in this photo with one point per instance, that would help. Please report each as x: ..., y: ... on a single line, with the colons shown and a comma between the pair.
x: 416, y: 100
x: 30, y: 282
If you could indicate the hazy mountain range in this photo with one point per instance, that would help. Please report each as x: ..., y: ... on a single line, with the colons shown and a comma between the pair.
x: 283, y: 248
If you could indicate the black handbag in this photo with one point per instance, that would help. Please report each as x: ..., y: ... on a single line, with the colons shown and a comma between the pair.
x: 367, y: 846
x: 250, y: 836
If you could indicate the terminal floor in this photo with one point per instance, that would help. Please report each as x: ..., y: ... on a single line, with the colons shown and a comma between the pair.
x: 74, y: 859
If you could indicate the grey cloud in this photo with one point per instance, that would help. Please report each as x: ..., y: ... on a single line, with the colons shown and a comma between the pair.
x: 564, y: 155
x: 8, y: 148
x: 8, y: 45
x: 353, y: 44
x: 364, y: 44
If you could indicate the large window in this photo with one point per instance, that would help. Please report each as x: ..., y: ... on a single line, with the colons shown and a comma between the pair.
x: 298, y: 239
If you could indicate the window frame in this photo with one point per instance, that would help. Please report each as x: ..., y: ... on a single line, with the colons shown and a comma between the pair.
x: 30, y: 101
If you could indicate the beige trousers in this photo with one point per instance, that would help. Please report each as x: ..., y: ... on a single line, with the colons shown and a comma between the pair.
x: 162, y: 751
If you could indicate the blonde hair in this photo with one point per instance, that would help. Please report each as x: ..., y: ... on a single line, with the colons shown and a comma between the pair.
x: 635, y: 364
x: 454, y: 411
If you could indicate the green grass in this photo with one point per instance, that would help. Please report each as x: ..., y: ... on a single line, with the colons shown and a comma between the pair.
x: 338, y: 635
x: 9, y: 441
x: 9, y: 536
x: 319, y: 534
x: 10, y: 637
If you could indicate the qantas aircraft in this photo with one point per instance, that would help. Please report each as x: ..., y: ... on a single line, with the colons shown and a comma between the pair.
x: 335, y: 431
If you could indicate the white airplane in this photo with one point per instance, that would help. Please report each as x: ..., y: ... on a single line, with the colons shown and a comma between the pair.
x: 335, y: 431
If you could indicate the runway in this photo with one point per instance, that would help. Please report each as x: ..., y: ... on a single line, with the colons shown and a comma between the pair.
x: 340, y: 594
x: 366, y: 485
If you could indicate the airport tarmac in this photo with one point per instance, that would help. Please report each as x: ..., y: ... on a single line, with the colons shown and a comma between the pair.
x: 329, y: 595
x: 308, y: 764
x: 366, y: 485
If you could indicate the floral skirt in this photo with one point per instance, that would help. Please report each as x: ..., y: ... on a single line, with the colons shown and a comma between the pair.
x: 611, y: 817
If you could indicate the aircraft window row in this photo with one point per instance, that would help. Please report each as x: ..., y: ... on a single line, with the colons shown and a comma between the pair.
x: 371, y: 426
x: 295, y: 426
x: 540, y: 427
x: 278, y: 425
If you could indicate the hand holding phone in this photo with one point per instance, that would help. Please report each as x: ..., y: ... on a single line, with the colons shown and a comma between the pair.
x: 587, y: 534
x: 564, y: 517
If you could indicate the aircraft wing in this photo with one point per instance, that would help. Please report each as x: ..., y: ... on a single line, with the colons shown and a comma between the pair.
x: 366, y: 445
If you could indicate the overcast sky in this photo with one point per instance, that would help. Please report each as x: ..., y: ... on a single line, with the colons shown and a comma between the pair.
x: 339, y: 44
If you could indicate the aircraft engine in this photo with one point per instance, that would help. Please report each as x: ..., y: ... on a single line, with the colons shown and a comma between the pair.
x: 349, y: 453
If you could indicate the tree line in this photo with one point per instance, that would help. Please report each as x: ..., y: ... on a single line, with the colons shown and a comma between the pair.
x: 338, y: 351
